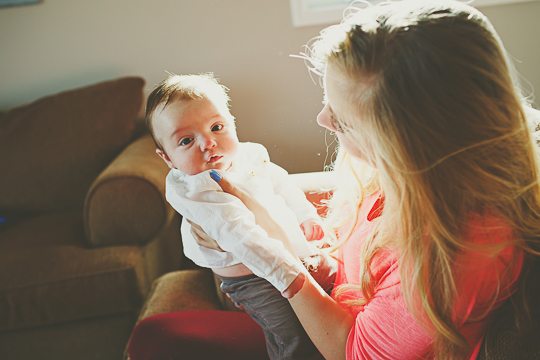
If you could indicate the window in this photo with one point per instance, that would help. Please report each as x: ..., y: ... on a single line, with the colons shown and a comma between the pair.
x: 18, y: 2
x: 316, y: 12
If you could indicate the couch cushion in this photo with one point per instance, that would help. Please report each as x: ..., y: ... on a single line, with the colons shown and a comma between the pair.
x: 102, y: 338
x: 181, y: 290
x: 52, y: 278
x: 54, y: 147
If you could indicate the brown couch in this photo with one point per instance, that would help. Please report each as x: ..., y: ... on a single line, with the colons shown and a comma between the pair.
x: 84, y: 227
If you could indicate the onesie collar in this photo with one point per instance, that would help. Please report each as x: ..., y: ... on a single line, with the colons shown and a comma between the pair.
x: 195, y: 183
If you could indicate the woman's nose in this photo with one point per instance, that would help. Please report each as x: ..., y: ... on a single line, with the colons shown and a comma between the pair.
x: 324, y: 118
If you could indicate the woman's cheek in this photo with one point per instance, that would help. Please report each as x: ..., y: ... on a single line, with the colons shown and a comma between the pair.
x: 351, y: 147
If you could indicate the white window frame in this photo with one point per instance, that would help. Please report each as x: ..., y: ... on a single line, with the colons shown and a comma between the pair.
x: 303, y: 12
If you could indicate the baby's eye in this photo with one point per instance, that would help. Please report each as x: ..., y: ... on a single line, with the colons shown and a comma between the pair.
x: 217, y: 127
x: 185, y: 141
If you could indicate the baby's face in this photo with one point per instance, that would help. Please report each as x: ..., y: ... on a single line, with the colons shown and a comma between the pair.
x: 195, y: 136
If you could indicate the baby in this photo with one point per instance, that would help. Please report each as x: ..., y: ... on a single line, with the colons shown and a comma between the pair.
x: 194, y: 131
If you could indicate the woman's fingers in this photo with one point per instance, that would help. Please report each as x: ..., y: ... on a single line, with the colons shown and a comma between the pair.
x: 202, y: 238
x: 229, y: 188
x: 225, y: 185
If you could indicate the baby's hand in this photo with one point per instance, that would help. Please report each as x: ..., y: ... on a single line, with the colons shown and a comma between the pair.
x: 312, y: 229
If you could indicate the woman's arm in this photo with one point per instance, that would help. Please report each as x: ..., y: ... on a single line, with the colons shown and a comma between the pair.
x: 327, y: 323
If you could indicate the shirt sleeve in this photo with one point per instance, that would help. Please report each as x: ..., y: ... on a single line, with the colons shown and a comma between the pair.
x: 226, y: 219
x: 384, y: 328
x: 291, y: 193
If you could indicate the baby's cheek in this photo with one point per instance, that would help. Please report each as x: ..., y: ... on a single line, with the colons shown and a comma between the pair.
x: 233, y: 147
x: 191, y: 165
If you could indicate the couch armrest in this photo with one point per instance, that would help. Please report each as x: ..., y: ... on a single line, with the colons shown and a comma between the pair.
x: 126, y: 202
x: 317, y: 186
x: 191, y: 289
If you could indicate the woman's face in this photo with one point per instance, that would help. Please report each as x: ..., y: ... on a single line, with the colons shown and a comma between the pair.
x: 337, y: 98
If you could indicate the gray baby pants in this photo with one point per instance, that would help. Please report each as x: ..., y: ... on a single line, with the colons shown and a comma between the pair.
x: 285, y: 337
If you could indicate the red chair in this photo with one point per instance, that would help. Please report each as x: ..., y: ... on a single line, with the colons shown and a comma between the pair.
x: 206, y: 334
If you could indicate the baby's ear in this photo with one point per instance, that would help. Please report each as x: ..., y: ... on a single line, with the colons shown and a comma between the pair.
x: 165, y: 158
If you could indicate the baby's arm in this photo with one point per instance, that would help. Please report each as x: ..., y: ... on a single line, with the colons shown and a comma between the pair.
x: 225, y: 218
x: 307, y: 216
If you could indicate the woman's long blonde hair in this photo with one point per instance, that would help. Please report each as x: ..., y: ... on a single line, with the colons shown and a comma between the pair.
x: 443, y: 123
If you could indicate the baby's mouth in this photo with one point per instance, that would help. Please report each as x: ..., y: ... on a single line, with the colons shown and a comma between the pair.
x: 214, y: 158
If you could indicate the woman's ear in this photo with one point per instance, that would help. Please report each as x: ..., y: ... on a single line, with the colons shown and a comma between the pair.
x: 165, y: 158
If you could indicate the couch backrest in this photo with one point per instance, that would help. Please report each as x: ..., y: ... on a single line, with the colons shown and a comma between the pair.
x: 52, y: 149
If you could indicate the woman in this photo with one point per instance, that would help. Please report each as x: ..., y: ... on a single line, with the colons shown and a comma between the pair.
x: 424, y: 94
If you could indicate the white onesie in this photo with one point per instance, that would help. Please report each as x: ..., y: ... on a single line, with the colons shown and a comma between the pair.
x: 224, y: 217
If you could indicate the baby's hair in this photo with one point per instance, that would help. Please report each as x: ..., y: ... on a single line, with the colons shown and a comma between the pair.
x: 186, y: 88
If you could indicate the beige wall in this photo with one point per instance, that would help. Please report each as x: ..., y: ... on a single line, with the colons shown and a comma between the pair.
x: 61, y: 44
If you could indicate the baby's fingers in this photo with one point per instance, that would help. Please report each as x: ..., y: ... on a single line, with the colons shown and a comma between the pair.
x: 318, y: 232
x: 308, y: 231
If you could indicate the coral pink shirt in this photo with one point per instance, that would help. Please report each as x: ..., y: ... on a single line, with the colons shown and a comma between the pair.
x: 385, y: 329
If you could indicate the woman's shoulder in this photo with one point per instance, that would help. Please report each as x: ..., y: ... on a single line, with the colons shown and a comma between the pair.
x: 487, y: 227
x: 487, y: 271
x: 491, y: 244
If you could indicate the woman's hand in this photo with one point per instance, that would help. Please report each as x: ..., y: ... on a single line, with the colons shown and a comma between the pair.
x: 262, y: 217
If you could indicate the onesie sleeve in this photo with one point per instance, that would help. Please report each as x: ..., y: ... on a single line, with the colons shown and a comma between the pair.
x: 226, y: 219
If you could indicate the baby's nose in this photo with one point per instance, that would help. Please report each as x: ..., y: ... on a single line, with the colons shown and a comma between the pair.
x: 207, y: 143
